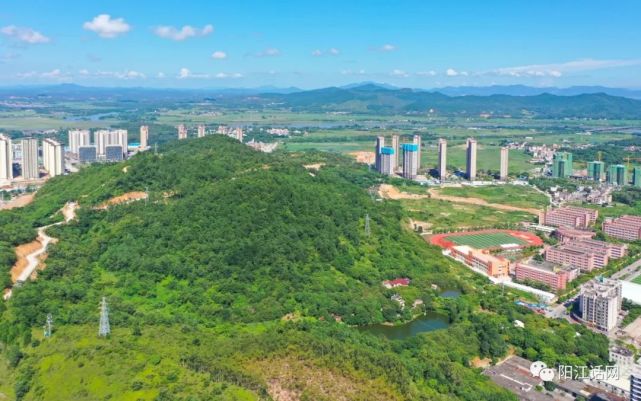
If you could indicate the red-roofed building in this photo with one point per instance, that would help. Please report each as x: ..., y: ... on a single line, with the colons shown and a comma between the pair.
x: 397, y: 282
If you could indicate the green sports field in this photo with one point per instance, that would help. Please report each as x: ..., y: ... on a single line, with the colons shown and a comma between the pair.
x: 487, y: 240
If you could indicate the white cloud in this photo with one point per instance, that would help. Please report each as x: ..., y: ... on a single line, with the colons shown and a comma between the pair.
x: 330, y: 52
x: 84, y: 72
x: 223, y: 75
x: 429, y: 73
x: 185, y: 73
x: 399, y: 73
x: 24, y: 35
x: 560, y: 69
x: 269, y: 52
x: 386, y: 48
x: 160, y: 75
x: 106, y: 27
x: 53, y: 75
x: 451, y: 72
x: 219, y: 55
x: 187, y: 31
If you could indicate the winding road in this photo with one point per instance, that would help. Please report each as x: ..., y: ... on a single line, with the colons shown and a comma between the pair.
x: 33, y: 259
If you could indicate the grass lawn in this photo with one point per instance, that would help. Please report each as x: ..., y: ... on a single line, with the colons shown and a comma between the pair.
x: 637, y: 280
x: 514, y: 195
x: 484, y: 241
x: 446, y: 215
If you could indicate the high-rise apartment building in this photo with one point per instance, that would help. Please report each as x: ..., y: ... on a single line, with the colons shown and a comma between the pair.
x: 387, y: 161
x: 635, y: 382
x: 410, y: 160
x: 617, y: 175
x: 78, y: 138
x: 201, y: 131
x: 417, y: 141
x: 104, y: 138
x: 182, y: 131
x: 6, y: 159
x: 396, y: 147
x: 442, y: 159
x: 87, y: 154
x: 30, y: 169
x: 596, y: 170
x: 238, y: 134
x: 470, y: 170
x: 562, y: 165
x: 53, y: 157
x: 380, y: 144
x: 504, y: 164
x: 636, y: 177
x: 144, y: 136
x: 600, y: 303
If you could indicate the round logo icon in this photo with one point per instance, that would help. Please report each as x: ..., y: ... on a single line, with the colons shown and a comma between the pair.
x: 546, y: 374
x: 536, y: 367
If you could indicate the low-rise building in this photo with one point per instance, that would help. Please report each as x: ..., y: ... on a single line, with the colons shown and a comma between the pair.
x: 565, y: 234
x: 553, y: 276
x: 627, y: 228
x: 569, y: 216
x: 494, y: 266
x: 568, y: 255
x: 397, y: 282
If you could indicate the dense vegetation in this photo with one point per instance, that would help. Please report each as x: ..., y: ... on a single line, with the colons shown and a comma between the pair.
x: 239, y: 279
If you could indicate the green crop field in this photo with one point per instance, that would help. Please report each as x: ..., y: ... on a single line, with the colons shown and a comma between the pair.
x: 514, y: 195
x: 487, y: 240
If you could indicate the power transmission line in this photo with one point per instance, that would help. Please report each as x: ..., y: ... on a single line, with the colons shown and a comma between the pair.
x: 48, y: 326
x: 104, y: 329
x: 368, y: 231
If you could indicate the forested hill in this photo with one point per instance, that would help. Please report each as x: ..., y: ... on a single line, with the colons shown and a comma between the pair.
x: 239, y: 278
x: 375, y: 99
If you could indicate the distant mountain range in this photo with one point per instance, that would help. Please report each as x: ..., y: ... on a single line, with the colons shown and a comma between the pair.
x: 515, y: 101
x: 372, y: 98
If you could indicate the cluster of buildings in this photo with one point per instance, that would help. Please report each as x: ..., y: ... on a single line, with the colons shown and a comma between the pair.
x: 615, y: 174
x: 577, y: 251
x: 108, y: 145
x: 388, y: 158
x: 27, y: 152
x: 236, y: 133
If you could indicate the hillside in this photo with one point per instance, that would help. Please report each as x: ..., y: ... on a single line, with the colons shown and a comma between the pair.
x: 241, y: 277
x: 375, y: 99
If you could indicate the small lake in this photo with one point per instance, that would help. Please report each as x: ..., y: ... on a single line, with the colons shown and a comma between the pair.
x: 428, y: 322
x: 450, y: 293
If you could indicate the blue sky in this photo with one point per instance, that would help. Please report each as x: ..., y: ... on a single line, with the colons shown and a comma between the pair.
x: 309, y: 44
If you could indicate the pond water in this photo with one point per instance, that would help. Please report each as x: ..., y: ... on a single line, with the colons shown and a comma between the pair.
x: 428, y: 322
x: 450, y: 293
